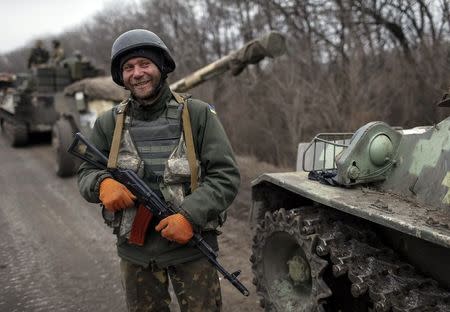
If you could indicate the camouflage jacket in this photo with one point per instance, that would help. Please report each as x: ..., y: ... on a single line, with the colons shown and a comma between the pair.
x: 218, y: 184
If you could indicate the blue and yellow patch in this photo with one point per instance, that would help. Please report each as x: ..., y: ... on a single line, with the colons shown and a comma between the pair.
x: 212, y: 109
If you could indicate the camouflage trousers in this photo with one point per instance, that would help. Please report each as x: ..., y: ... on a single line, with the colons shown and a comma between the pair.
x: 196, y: 286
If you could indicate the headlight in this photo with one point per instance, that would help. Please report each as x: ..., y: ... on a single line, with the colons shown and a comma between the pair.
x: 380, y: 150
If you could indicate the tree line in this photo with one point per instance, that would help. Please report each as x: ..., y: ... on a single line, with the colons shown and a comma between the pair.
x: 348, y: 62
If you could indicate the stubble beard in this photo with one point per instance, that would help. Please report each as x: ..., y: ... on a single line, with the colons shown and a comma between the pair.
x: 150, y: 91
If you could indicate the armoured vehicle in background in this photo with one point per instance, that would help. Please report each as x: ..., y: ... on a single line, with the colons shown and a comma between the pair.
x: 362, y: 225
x: 29, y: 102
x: 83, y: 101
x: 94, y: 96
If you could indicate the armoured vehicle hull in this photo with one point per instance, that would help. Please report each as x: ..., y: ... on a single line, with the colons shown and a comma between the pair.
x: 373, y: 236
x: 19, y: 122
x: 29, y: 102
x: 23, y: 111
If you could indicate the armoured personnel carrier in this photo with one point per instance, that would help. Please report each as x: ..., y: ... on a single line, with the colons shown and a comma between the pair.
x: 29, y: 101
x: 9, y: 96
x: 94, y: 96
x: 362, y: 225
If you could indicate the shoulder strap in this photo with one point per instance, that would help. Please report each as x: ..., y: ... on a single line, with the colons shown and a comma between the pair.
x: 187, y: 130
x: 114, y: 151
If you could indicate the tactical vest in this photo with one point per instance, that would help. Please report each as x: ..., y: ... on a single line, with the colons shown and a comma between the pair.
x: 156, y: 151
x: 154, y: 140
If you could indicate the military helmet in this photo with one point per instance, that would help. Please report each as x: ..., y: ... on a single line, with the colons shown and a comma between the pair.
x: 132, y: 40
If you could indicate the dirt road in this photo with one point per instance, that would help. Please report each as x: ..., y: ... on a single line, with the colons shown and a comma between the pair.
x: 57, y: 255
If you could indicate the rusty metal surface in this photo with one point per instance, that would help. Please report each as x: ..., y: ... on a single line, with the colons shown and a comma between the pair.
x: 386, y: 209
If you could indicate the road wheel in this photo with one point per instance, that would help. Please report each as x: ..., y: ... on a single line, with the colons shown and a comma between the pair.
x: 288, y: 273
x: 15, y: 133
x: 62, y: 136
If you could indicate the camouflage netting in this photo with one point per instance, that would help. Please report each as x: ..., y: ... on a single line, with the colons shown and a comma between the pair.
x: 99, y: 88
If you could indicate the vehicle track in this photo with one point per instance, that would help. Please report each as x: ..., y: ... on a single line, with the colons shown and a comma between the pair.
x: 362, y: 273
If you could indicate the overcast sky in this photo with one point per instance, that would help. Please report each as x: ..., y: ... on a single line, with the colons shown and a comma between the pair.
x: 25, y: 20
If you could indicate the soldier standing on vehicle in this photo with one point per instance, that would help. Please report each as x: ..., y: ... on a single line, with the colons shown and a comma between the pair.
x: 57, y: 53
x: 38, y: 56
x: 146, y: 133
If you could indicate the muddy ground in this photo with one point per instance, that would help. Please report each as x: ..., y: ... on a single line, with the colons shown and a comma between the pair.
x: 57, y: 255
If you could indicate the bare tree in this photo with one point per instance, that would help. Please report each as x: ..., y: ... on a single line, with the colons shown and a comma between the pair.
x: 349, y: 62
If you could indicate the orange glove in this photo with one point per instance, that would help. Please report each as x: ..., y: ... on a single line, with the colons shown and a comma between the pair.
x: 176, y: 228
x: 115, y: 196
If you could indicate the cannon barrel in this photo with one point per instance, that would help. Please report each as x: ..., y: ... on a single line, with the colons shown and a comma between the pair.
x: 270, y: 45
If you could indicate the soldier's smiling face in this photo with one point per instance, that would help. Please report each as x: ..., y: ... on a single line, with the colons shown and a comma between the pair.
x: 141, y: 76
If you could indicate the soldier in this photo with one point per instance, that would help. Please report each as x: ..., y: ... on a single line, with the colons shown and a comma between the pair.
x: 57, y: 53
x: 150, y: 138
x: 38, y: 56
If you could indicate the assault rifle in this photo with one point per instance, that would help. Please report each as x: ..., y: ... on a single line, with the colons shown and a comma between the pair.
x: 84, y: 150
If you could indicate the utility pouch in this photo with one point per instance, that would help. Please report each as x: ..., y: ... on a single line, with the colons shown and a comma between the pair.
x: 120, y: 221
x: 112, y: 219
x: 188, y: 138
x: 177, y: 170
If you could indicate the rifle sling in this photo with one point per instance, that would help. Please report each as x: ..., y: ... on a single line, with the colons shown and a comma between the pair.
x: 188, y: 138
x: 114, y: 151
